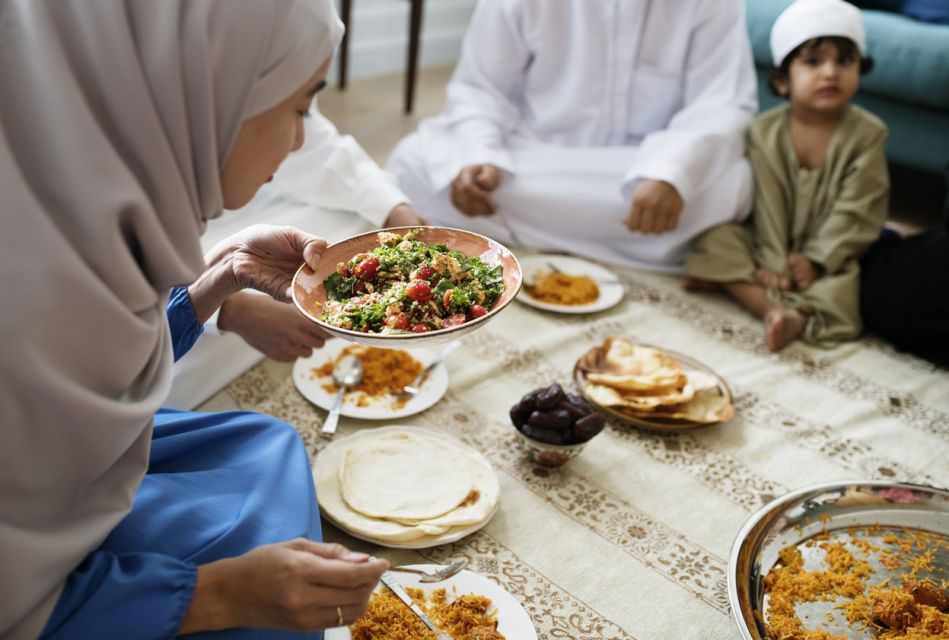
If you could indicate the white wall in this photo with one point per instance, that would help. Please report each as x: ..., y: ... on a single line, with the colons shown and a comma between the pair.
x: 379, y: 32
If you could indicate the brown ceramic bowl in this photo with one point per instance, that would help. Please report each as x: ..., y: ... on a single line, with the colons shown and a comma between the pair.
x: 309, y: 294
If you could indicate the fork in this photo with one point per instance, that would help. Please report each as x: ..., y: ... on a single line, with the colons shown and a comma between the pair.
x: 411, y: 390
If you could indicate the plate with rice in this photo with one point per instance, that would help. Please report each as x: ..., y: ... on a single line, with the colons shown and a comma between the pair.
x: 566, y: 284
x: 467, y: 606
x: 385, y: 372
x: 405, y: 487
x: 844, y: 561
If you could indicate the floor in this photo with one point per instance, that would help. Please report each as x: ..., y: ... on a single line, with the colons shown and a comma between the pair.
x: 370, y: 109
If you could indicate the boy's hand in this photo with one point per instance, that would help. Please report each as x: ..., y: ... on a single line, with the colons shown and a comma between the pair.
x: 803, y: 271
x: 655, y: 208
x: 471, y: 189
x: 773, y: 280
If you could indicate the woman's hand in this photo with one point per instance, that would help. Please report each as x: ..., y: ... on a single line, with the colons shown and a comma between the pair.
x: 403, y: 215
x: 298, y: 585
x: 261, y: 257
x: 265, y: 257
x: 274, y: 328
x: 655, y: 208
x: 471, y: 189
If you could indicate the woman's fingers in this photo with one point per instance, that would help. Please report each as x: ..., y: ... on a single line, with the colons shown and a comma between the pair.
x: 313, y: 250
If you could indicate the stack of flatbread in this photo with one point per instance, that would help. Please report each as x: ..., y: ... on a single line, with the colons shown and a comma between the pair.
x: 644, y: 382
x: 403, y: 486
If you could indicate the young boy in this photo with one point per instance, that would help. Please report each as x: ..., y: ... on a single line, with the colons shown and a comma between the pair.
x: 821, y: 187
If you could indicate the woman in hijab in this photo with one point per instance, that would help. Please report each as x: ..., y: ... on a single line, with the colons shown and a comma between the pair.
x: 124, y: 127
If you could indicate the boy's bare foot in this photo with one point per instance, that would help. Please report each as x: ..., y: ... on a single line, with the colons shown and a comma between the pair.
x: 698, y: 284
x: 803, y: 270
x: 783, y: 326
x: 771, y: 280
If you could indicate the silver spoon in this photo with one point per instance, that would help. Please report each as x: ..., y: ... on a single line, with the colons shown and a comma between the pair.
x: 411, y: 390
x: 347, y: 373
x: 443, y: 572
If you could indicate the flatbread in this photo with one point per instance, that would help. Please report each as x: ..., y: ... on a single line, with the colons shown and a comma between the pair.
x: 483, y: 500
x: 661, y: 380
x: 404, y: 476
x: 610, y: 397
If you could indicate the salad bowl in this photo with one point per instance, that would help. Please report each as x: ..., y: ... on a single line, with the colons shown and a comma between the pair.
x: 310, y: 294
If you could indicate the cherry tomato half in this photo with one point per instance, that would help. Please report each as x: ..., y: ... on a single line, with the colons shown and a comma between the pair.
x: 398, y: 321
x: 421, y: 328
x: 425, y: 272
x: 476, y: 311
x: 366, y: 269
x: 455, y: 319
x: 419, y: 291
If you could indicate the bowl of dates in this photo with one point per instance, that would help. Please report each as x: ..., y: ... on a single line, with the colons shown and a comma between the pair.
x: 554, y: 425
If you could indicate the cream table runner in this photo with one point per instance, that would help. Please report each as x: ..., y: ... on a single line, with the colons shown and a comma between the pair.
x: 631, y: 540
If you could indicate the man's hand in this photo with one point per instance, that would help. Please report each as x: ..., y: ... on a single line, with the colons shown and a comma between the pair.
x: 803, y: 270
x: 274, y: 328
x: 655, y: 208
x: 404, y: 215
x: 471, y: 189
x: 298, y: 585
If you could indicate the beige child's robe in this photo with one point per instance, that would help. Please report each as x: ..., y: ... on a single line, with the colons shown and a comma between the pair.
x: 830, y: 214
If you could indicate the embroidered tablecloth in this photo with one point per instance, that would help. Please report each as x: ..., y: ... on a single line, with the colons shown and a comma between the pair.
x: 631, y: 539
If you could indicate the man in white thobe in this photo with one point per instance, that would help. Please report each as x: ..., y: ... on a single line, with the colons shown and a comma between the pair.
x: 329, y: 187
x: 607, y: 128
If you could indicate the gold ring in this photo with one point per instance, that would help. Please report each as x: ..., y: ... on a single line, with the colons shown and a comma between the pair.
x: 339, y: 617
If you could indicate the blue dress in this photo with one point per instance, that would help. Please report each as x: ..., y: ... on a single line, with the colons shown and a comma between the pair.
x: 218, y: 485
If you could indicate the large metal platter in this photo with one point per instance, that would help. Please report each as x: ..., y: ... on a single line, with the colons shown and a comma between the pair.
x: 836, y: 508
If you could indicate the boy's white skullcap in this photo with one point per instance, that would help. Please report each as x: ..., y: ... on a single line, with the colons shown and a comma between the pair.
x: 808, y: 19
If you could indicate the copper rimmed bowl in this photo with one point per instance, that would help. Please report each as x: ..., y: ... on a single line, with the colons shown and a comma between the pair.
x: 309, y: 294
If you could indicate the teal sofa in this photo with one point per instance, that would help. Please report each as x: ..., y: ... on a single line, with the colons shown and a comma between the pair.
x: 908, y: 87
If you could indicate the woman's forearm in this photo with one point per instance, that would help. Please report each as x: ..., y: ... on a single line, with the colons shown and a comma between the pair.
x: 215, y: 285
x: 210, y: 608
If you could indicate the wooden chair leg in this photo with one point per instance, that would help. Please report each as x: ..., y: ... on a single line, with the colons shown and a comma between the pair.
x: 345, y: 13
x: 415, y: 29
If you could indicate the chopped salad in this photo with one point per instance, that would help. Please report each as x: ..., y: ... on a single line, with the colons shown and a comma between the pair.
x: 405, y: 285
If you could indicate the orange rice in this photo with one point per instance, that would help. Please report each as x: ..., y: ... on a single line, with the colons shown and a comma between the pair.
x: 894, y: 613
x: 565, y: 289
x: 385, y: 371
x: 465, y: 617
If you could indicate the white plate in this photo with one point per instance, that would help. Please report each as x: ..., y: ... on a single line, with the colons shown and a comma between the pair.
x: 328, y: 461
x: 611, y: 289
x: 382, y: 408
x: 513, y: 621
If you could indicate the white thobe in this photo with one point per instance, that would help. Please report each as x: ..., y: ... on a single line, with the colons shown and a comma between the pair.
x: 577, y: 100
x: 329, y: 187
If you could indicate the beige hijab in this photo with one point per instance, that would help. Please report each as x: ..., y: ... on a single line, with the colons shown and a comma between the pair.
x: 115, y: 119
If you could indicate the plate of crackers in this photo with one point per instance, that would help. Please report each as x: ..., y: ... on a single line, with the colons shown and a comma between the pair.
x: 652, y: 388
